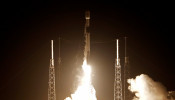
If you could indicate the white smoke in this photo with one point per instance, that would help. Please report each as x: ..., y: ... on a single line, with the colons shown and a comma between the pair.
x: 147, y: 89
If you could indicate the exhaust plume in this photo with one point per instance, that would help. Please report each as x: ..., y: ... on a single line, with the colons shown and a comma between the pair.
x: 85, y: 90
x: 147, y: 89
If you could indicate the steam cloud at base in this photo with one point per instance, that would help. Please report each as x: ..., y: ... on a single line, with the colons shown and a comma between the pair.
x: 147, y: 89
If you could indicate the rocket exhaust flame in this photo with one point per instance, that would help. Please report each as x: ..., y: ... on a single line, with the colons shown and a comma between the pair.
x: 147, y: 89
x: 85, y: 90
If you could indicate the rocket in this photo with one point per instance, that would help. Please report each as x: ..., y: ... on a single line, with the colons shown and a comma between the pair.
x: 87, y: 37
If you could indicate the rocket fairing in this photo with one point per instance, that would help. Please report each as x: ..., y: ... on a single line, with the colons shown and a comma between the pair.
x: 87, y: 15
x: 87, y: 36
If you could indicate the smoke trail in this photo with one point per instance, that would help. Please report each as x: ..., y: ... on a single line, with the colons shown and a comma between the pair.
x: 147, y: 89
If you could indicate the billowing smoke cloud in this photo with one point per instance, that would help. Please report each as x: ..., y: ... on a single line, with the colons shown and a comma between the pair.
x: 147, y: 89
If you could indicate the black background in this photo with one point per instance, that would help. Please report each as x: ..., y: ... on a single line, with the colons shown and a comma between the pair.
x: 28, y: 26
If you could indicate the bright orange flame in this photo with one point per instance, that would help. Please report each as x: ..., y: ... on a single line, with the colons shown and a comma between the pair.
x: 85, y: 90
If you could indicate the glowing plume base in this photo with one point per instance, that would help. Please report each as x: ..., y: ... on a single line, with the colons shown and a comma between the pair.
x: 85, y: 90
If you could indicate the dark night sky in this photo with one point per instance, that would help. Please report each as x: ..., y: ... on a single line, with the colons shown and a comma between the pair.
x: 28, y: 26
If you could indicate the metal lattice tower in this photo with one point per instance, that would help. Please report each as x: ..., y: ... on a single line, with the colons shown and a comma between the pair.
x: 58, y: 71
x: 127, y: 95
x: 118, y: 81
x: 51, y: 88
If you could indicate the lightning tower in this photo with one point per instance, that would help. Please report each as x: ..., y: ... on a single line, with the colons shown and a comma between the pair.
x: 126, y: 74
x: 58, y: 70
x: 87, y: 36
x: 117, y: 81
x: 59, y: 56
x: 51, y: 88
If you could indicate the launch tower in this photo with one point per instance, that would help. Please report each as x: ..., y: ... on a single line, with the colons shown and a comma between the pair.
x: 51, y: 88
x: 126, y: 95
x: 117, y: 81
